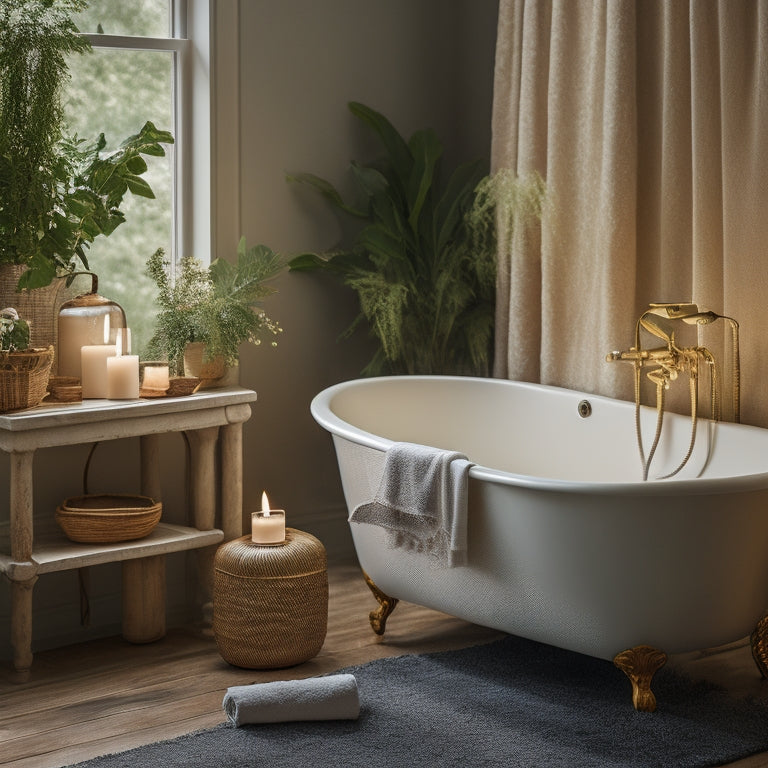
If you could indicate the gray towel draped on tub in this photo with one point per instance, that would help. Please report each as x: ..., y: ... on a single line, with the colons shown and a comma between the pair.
x: 422, y: 501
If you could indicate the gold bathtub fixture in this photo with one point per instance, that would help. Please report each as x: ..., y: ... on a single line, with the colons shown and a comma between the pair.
x: 668, y: 361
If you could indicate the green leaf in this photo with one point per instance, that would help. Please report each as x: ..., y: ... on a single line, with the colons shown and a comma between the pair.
x: 426, y: 150
x: 80, y: 205
x: 139, y: 187
x: 327, y: 190
x: 394, y: 143
x: 244, y: 281
x: 41, y: 272
x: 136, y: 164
x: 449, y: 209
x: 370, y: 180
x: 307, y: 261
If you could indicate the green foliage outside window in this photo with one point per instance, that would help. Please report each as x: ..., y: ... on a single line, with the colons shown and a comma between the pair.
x: 108, y: 89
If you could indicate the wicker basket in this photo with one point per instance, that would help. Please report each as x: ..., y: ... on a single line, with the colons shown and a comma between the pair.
x: 270, y: 604
x: 108, y: 518
x: 24, y: 378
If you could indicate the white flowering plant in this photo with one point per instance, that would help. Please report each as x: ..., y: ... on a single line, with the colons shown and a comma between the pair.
x: 14, y: 332
x: 219, y: 305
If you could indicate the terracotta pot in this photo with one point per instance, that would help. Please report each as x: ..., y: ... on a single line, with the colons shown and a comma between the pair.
x: 212, y: 373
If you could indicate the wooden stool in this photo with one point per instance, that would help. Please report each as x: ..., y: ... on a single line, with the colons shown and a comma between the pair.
x: 270, y: 603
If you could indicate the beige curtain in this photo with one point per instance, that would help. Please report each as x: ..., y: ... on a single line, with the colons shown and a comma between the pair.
x: 648, y: 119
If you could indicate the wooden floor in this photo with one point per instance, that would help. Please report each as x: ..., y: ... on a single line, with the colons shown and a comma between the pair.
x: 107, y: 696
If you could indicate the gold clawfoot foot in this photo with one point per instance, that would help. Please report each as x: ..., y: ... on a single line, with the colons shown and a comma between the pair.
x: 640, y: 664
x: 378, y: 618
x: 759, y: 642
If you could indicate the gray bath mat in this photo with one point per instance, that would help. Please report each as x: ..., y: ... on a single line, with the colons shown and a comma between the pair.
x: 510, y: 703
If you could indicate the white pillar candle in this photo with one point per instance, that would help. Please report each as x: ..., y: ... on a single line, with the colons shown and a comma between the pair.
x: 77, y: 329
x: 268, y: 525
x: 123, y: 377
x: 156, y: 377
x: 93, y: 364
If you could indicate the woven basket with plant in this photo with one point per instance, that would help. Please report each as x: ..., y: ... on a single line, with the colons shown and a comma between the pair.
x: 23, y: 372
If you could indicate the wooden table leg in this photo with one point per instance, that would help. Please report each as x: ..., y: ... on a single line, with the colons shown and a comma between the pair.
x: 202, y: 443
x: 21, y: 628
x: 143, y: 610
x: 232, y: 481
x: 143, y: 597
x: 21, y: 531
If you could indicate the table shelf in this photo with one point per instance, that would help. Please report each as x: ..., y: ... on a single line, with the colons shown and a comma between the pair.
x: 55, y: 552
x: 212, y: 422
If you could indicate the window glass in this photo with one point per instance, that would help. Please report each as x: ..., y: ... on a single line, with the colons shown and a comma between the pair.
x: 145, y: 18
x: 115, y: 91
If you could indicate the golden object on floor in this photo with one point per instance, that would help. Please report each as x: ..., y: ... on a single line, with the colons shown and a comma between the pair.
x: 387, y: 604
x: 640, y: 664
x: 759, y: 642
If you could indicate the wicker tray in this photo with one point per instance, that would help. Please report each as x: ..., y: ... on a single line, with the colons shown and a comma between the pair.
x: 24, y: 378
x: 108, y: 518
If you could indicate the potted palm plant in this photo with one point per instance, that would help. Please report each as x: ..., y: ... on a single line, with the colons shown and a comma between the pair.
x: 423, y: 263
x: 207, y: 313
x: 57, y: 192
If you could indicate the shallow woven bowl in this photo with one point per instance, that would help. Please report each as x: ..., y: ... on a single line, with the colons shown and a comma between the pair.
x: 108, y: 518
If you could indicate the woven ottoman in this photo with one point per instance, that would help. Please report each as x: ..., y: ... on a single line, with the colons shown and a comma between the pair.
x: 270, y: 603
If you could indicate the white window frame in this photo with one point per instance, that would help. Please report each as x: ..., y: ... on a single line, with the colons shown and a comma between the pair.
x: 190, y: 44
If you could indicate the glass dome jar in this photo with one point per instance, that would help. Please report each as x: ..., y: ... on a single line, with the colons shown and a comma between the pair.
x: 86, y: 320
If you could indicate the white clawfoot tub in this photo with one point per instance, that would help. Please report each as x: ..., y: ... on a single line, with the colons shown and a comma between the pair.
x: 566, y: 544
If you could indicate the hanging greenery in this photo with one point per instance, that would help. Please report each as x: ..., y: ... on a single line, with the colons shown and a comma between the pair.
x: 423, y: 263
x: 57, y: 193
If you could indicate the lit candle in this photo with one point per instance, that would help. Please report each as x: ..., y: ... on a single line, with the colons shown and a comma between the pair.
x: 268, y: 525
x: 123, y: 370
x: 156, y: 377
x: 93, y: 364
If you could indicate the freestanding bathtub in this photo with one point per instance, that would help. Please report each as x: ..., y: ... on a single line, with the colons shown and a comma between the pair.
x: 566, y: 544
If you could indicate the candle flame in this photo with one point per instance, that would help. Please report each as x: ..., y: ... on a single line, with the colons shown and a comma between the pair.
x: 265, y: 504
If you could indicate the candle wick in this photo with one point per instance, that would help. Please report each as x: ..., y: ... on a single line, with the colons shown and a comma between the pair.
x: 266, y: 512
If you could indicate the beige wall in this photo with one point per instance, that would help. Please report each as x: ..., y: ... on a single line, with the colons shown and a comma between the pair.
x: 421, y: 63
x: 285, y: 72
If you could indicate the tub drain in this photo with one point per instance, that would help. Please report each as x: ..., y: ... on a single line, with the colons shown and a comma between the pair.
x: 585, y: 409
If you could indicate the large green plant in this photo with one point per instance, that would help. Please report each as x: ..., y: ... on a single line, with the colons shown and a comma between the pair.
x: 423, y: 263
x: 220, y: 305
x: 57, y: 193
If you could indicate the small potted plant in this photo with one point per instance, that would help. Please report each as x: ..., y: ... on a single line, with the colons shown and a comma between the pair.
x: 23, y: 371
x: 216, y: 309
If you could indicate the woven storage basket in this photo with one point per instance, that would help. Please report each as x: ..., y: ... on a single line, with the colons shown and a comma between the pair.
x: 108, y: 518
x: 270, y: 604
x: 24, y: 378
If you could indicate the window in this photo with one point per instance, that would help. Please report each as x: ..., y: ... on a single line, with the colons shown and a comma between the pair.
x: 138, y: 71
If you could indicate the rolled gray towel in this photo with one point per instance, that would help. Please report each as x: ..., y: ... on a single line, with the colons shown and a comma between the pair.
x: 332, y: 697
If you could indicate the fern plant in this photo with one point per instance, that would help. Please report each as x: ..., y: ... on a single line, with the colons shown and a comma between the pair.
x: 423, y: 263
x: 219, y: 305
x: 57, y: 193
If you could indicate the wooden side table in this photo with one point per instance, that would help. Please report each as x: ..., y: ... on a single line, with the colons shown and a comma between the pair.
x: 210, y: 418
x: 270, y: 603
